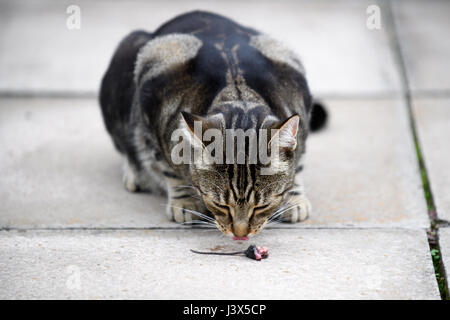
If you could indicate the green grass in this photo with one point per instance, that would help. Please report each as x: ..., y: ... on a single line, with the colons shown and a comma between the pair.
x: 437, y: 262
x: 433, y: 231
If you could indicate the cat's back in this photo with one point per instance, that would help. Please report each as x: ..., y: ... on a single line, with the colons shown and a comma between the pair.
x: 214, y: 52
x: 213, y: 44
x: 204, y: 25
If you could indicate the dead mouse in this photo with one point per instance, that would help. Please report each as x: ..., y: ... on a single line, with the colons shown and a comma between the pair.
x: 252, y: 252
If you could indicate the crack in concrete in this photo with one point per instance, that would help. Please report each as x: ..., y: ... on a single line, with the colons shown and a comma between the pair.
x: 435, y: 223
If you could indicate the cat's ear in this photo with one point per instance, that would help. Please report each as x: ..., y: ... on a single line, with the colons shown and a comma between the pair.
x: 189, y: 120
x: 287, y: 133
x: 197, y: 125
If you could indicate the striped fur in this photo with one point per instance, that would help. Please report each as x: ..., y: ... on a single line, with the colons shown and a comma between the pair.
x: 230, y: 76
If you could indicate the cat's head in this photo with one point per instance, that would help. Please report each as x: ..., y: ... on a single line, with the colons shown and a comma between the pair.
x: 243, y: 195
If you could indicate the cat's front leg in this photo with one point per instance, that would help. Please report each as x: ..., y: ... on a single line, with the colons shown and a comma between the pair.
x: 298, y: 206
x: 129, y: 176
x: 184, y: 204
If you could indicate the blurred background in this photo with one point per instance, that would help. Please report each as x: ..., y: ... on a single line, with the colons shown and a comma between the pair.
x: 41, y: 54
x: 345, y: 51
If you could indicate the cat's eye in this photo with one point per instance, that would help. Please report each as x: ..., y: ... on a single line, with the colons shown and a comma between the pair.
x: 260, y: 208
x: 223, y: 208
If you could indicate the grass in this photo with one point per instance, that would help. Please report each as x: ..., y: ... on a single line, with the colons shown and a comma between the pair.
x: 432, y: 232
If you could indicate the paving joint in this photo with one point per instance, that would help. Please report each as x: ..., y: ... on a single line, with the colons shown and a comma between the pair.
x: 432, y: 231
x: 21, y: 229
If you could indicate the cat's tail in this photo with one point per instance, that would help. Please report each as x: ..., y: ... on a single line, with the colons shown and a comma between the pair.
x: 318, y: 118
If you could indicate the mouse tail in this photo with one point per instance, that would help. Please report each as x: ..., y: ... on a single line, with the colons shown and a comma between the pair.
x: 318, y: 118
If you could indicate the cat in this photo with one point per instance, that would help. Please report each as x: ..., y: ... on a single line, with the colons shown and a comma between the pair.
x: 204, y: 67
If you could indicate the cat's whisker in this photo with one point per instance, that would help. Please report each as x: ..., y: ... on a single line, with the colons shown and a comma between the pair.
x: 283, y: 207
x: 205, y: 224
x: 199, y: 214
x: 197, y: 227
x: 283, y: 211
x: 299, y: 190
x: 273, y: 222
x: 201, y: 221
x: 198, y: 222
x: 279, y: 213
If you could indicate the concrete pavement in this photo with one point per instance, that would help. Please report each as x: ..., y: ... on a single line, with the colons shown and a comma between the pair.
x: 68, y: 229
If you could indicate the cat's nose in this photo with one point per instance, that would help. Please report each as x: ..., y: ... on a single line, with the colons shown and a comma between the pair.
x: 240, y: 229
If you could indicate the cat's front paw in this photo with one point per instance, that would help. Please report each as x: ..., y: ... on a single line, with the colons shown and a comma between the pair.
x: 185, y: 210
x: 300, y: 207
x: 129, y: 177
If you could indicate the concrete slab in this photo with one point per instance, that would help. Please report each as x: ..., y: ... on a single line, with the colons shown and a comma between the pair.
x: 433, y: 118
x: 303, y: 264
x: 40, y: 54
x: 444, y: 244
x: 362, y: 169
x: 59, y: 169
x: 423, y: 26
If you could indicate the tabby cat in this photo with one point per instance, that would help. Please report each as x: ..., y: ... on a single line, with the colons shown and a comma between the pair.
x: 204, y: 67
